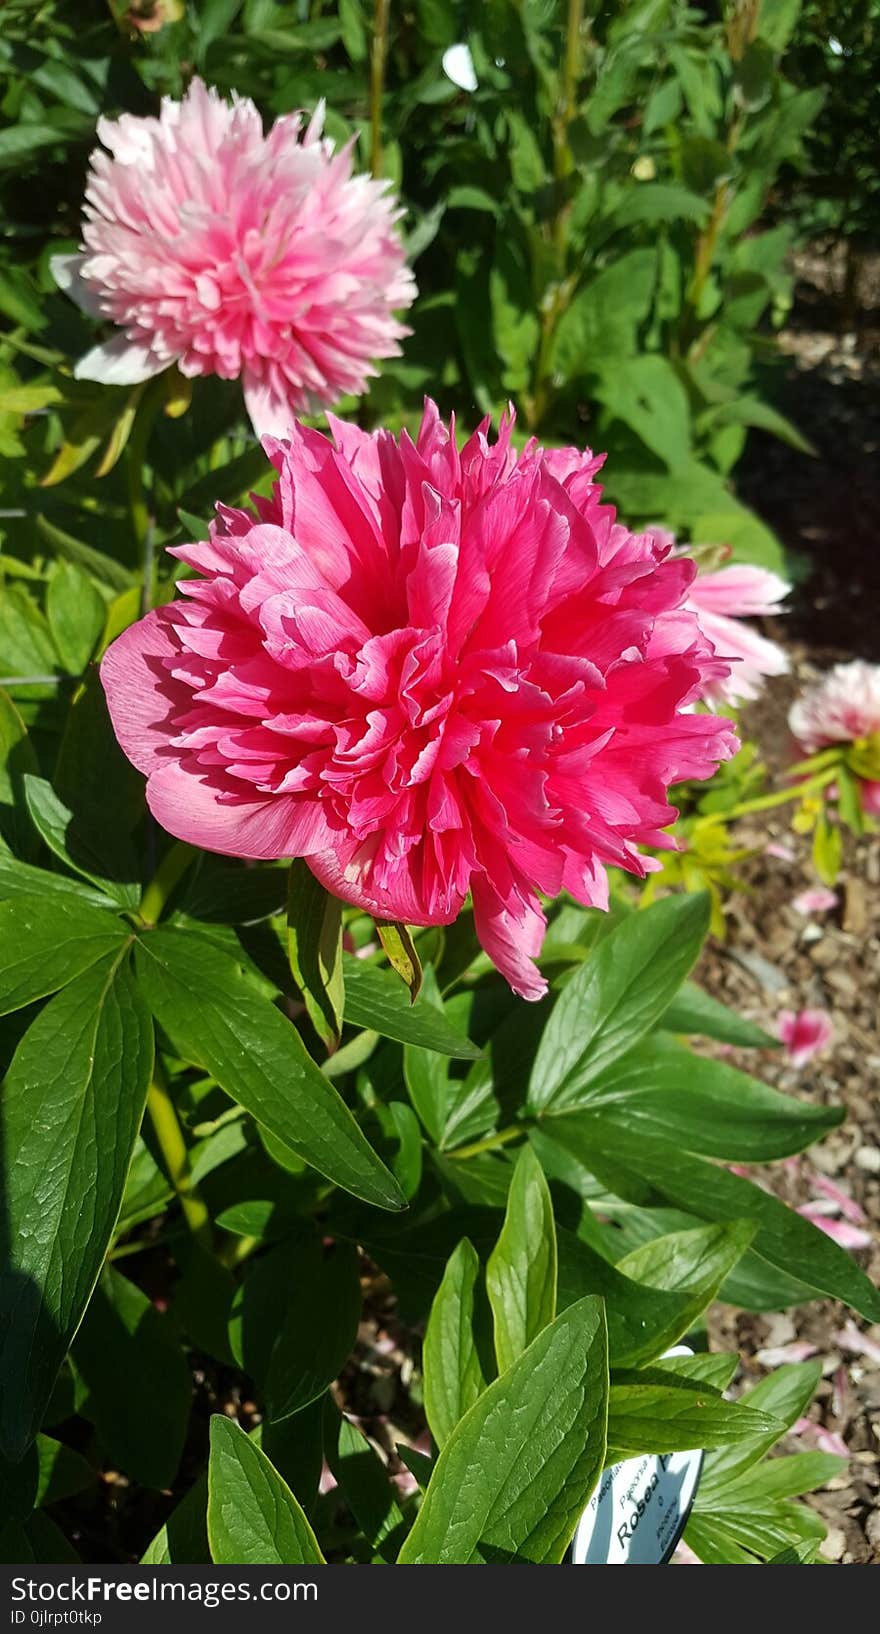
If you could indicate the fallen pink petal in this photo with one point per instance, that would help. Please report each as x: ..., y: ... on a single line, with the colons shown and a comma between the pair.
x: 804, y: 1033
x: 816, y: 900
x: 856, y: 1343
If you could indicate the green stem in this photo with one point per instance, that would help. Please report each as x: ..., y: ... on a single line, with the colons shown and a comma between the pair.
x: 560, y: 294
x: 139, y: 498
x: 766, y: 802
x: 176, y: 1159
x: 171, y: 869
x: 378, y: 54
x: 490, y: 1144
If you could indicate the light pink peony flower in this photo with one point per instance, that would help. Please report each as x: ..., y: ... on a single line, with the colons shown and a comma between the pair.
x: 721, y: 601
x: 427, y: 672
x: 844, y: 707
x: 232, y: 253
x: 804, y: 1033
x: 818, y: 899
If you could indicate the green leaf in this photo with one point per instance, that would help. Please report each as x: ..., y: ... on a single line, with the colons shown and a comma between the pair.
x: 648, y: 1313
x: 513, y: 1479
x: 16, y: 758
x: 375, y: 999
x: 318, y: 1328
x: 215, y: 1019
x: 400, y: 951
x: 253, y: 1517
x: 62, y: 1472
x: 18, y: 879
x: 367, y: 1489
x: 706, y: 1105
x: 183, y: 1540
x: 604, y: 317
x: 69, y: 838
x: 314, y: 945
x: 125, y: 1353
x: 453, y: 1377
x: 47, y: 943
x: 671, y: 1418
x: 693, y: 1011
x: 646, y: 393
x: 72, y: 1105
x: 658, y: 201
x: 521, y: 1273
x: 76, y: 613
x: 786, y: 1239
x: 786, y: 1394
x: 615, y: 997
x: 783, y: 1478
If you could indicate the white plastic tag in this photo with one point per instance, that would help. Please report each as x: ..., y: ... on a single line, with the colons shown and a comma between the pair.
x: 640, y: 1507
x: 638, y: 1511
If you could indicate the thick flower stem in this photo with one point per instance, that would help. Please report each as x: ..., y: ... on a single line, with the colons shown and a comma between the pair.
x: 490, y: 1144
x: 172, y: 1145
x: 378, y: 53
x: 170, y: 870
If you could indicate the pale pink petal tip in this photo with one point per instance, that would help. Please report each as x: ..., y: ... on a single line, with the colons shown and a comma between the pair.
x: 721, y: 601
x: 233, y: 253
x: 434, y: 672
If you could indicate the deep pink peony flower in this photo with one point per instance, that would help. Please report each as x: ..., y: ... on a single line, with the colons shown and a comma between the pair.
x: 844, y: 707
x: 237, y: 254
x: 428, y: 672
x: 721, y: 602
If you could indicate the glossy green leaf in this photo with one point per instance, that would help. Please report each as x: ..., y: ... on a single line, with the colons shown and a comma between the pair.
x: 126, y: 1353
x: 74, y: 843
x: 16, y: 758
x: 21, y: 879
x: 616, y: 997
x: 521, y: 1273
x: 317, y: 1330
x: 515, y: 1474
x: 786, y: 1394
x: 375, y: 999
x: 215, y: 1019
x: 453, y: 1376
x: 654, y: 1295
x: 655, y: 1417
x: 606, y: 1145
x: 253, y: 1517
x: 693, y: 1011
x: 46, y: 942
x: 76, y: 611
x: 706, y: 1106
x: 71, y: 1109
x: 367, y: 1489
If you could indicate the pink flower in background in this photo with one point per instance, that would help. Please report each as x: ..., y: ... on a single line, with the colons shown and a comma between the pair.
x: 721, y: 601
x: 782, y: 853
x: 823, y: 1440
x: 232, y: 253
x: 844, y: 707
x: 804, y: 1032
x: 818, y: 899
x: 428, y: 672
